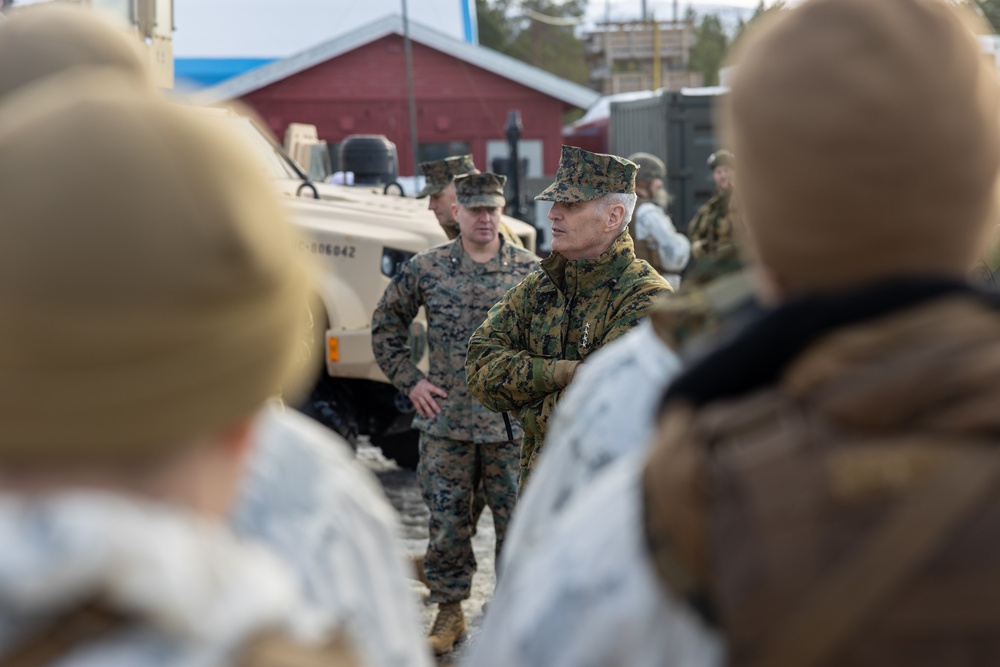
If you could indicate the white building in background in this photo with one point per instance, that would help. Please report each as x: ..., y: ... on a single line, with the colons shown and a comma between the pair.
x: 278, y: 28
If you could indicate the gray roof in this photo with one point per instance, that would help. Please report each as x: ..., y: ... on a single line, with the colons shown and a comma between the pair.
x: 492, y: 61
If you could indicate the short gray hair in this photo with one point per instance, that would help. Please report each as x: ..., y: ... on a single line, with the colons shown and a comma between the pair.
x: 626, y: 199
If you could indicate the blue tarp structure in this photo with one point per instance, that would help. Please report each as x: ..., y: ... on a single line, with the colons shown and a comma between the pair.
x: 196, y: 73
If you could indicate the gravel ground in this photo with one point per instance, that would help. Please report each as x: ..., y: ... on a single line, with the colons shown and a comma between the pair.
x: 404, y: 493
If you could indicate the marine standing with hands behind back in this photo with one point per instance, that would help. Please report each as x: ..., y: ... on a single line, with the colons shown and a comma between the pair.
x: 460, y: 440
x: 592, y: 289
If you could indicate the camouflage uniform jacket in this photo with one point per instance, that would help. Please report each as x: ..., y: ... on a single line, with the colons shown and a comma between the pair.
x: 456, y: 293
x: 566, y: 311
x: 712, y: 226
x: 625, y: 380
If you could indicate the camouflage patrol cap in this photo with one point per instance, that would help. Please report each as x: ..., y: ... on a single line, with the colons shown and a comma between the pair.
x: 480, y: 190
x: 440, y: 173
x: 649, y: 165
x: 721, y: 158
x: 584, y: 176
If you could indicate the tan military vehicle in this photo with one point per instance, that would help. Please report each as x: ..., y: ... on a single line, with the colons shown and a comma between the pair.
x: 359, y: 238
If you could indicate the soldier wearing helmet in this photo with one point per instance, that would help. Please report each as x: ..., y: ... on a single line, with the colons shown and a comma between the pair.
x: 656, y: 239
x: 711, y: 228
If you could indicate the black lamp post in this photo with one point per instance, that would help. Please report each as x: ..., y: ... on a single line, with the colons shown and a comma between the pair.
x: 513, y: 130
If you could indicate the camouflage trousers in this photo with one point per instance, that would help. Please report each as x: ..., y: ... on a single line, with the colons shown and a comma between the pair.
x: 449, y: 473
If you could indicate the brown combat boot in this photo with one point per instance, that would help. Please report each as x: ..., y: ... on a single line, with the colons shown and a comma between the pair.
x: 448, y: 628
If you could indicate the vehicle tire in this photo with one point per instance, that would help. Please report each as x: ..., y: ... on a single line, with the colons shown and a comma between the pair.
x: 403, y: 447
x: 330, y: 404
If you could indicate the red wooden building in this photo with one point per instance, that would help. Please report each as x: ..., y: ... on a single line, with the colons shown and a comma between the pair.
x: 356, y: 84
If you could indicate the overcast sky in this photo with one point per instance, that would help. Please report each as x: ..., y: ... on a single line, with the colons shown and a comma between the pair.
x: 275, y: 28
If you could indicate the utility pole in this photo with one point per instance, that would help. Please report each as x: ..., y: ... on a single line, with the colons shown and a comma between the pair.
x: 657, y: 77
x: 409, y: 87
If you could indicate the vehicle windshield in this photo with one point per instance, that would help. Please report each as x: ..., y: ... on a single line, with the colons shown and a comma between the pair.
x: 270, y: 156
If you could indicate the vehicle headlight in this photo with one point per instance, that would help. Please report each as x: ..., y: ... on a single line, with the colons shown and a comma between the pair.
x: 393, y: 260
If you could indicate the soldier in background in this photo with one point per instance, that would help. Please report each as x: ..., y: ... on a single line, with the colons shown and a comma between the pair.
x: 440, y: 188
x: 461, y: 442
x: 656, y: 239
x: 303, y: 495
x: 152, y: 304
x: 592, y: 290
x: 712, y: 227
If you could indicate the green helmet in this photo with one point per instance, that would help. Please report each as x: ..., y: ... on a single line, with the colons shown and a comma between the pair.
x: 721, y: 158
x: 650, y: 166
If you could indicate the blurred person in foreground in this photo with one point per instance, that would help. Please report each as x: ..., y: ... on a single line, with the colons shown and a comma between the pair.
x: 302, y: 494
x: 656, y: 240
x: 149, y: 313
x: 821, y: 485
x: 439, y: 188
x: 712, y: 227
x: 462, y: 444
x: 590, y: 291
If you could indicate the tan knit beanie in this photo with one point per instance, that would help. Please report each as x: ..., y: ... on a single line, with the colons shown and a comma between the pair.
x: 148, y: 284
x: 54, y: 38
x: 869, y: 141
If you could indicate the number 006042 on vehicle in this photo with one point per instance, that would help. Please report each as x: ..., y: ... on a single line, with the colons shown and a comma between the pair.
x: 328, y: 249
